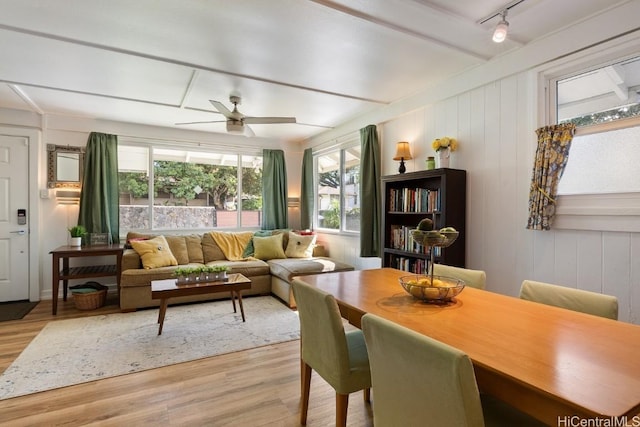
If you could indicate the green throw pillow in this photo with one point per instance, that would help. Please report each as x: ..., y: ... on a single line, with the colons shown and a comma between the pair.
x: 250, y: 250
x: 267, y: 248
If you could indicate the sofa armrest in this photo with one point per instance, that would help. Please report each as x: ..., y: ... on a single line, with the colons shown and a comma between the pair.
x: 131, y: 260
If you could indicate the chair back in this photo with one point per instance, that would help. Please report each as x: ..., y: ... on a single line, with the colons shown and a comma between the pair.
x: 572, y: 299
x: 417, y: 380
x: 323, y: 342
x: 474, y: 278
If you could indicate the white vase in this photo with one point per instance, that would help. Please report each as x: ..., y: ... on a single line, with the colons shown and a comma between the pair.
x: 75, y: 241
x: 443, y: 155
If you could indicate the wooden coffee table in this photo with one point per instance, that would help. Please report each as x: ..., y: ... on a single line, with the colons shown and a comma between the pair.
x: 165, y: 289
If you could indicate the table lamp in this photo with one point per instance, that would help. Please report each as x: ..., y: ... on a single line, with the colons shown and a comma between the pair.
x: 403, y: 152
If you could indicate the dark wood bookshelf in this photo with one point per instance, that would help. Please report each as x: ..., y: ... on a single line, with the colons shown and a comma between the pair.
x: 438, y: 194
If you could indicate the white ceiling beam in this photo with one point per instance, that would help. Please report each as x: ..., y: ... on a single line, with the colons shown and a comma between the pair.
x: 189, y: 89
x: 25, y: 98
x: 395, y: 27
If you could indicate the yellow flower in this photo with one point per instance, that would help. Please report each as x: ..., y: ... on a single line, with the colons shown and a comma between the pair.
x: 444, y: 142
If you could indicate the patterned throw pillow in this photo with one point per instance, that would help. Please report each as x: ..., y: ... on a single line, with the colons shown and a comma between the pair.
x: 267, y: 248
x: 300, y: 246
x: 154, y: 252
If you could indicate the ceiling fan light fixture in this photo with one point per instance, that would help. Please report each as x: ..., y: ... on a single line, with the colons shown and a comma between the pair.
x: 235, y: 128
x: 500, y: 33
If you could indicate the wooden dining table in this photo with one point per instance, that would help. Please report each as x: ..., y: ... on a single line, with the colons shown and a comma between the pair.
x: 557, y: 365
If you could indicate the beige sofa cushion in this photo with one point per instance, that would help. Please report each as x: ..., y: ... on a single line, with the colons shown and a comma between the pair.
x: 210, y: 249
x: 288, y: 268
x: 185, y: 248
x: 194, y: 248
x: 154, y: 252
x: 178, y: 246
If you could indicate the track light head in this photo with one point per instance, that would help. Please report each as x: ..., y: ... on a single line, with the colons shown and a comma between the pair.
x: 500, y: 33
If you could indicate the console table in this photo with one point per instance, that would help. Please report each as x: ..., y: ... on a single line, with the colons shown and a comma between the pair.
x: 82, y: 272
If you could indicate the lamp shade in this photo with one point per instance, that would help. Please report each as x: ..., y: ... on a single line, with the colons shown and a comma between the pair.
x: 403, y: 151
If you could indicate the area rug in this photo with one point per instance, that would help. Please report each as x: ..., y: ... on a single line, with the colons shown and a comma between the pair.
x: 74, y: 351
x: 15, y: 310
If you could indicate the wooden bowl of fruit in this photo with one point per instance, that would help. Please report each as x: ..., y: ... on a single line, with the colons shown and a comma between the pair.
x: 441, y: 290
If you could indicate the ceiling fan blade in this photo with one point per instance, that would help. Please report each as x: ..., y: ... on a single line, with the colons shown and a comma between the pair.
x: 197, y: 123
x: 248, y: 132
x: 221, y: 108
x: 268, y: 120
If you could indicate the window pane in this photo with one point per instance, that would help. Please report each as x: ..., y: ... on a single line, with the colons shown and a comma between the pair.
x: 599, y: 96
x: 251, y: 191
x: 194, y: 189
x: 133, y: 175
x: 329, y: 191
x: 352, y: 188
x: 605, y: 162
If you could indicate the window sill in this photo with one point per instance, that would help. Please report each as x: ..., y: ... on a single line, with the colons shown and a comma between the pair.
x: 598, y: 212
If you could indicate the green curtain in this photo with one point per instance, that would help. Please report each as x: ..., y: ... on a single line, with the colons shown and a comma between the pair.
x: 370, y: 193
x: 551, y: 158
x: 306, y: 191
x: 274, y: 190
x: 99, y: 203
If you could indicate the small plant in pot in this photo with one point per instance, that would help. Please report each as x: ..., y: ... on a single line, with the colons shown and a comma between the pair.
x: 217, y: 272
x: 195, y: 274
x: 77, y: 232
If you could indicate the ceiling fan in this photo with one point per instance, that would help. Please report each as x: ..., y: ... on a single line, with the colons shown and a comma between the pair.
x: 237, y: 122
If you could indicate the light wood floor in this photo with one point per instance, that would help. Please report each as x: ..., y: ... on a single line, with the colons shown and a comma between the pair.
x: 257, y: 387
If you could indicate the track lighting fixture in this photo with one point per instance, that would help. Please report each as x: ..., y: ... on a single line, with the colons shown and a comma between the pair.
x: 500, y: 33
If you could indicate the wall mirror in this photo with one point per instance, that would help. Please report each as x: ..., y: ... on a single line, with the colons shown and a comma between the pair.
x: 64, y: 166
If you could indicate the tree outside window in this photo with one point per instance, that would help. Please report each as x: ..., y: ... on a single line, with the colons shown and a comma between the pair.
x: 190, y: 189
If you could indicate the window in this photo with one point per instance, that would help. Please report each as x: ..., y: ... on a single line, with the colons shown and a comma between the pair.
x: 604, y: 104
x: 605, y: 94
x: 167, y: 188
x: 338, y: 189
x: 600, y: 186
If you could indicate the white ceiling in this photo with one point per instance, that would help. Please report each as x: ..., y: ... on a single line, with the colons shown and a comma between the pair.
x: 159, y: 62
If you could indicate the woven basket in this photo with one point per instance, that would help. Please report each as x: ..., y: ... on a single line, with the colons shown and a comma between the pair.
x: 89, y: 300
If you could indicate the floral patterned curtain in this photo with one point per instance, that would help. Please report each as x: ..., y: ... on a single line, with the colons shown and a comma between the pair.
x: 551, y: 157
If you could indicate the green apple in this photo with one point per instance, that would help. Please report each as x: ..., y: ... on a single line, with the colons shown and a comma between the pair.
x: 448, y: 230
x: 425, y: 225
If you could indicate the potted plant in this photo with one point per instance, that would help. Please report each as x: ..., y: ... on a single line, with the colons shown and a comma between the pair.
x: 77, y: 233
x: 217, y: 272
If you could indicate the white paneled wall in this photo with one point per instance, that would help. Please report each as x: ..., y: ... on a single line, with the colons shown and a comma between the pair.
x: 495, y: 125
x: 346, y: 248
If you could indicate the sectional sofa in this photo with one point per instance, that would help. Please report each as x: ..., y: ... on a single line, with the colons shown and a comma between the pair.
x: 270, y: 259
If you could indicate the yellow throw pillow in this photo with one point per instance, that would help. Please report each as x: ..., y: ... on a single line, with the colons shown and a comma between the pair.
x: 267, y: 248
x: 300, y: 246
x: 154, y: 252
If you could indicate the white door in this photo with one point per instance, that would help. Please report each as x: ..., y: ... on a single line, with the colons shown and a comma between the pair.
x: 14, y: 236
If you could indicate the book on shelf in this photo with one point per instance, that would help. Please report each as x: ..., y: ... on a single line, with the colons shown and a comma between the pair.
x: 401, y: 239
x: 418, y: 200
x: 411, y: 265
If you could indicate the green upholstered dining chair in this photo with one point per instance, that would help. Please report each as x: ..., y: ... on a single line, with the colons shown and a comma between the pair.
x: 419, y: 381
x: 572, y: 299
x: 474, y: 278
x: 338, y: 356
